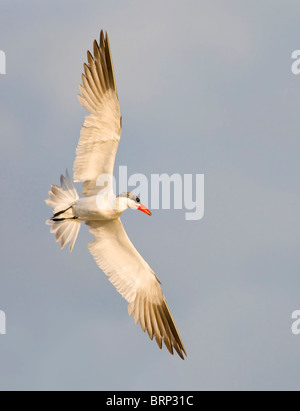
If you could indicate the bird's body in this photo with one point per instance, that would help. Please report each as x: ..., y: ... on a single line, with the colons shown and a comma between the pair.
x: 101, y: 209
x: 87, y: 208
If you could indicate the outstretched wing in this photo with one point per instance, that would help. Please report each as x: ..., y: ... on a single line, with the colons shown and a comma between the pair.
x: 136, y: 282
x: 100, y: 133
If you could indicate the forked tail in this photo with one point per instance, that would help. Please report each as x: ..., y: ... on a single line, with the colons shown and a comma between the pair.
x: 64, y: 223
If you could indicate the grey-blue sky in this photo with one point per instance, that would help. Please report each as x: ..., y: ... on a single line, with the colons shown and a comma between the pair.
x: 204, y: 87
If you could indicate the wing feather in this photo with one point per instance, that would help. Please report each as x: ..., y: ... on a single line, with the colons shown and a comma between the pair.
x: 135, y: 281
x: 100, y: 133
x: 148, y: 322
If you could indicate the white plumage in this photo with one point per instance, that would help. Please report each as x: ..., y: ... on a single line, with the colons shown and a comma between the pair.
x: 113, y: 251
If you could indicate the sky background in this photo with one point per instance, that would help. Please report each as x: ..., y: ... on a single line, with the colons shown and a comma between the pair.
x: 204, y: 87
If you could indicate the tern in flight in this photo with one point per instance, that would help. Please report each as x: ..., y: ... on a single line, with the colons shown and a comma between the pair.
x: 113, y: 251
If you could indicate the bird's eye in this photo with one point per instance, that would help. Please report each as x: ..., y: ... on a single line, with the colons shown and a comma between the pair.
x: 137, y: 200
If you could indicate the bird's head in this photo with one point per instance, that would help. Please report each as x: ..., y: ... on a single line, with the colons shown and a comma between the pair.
x: 130, y: 200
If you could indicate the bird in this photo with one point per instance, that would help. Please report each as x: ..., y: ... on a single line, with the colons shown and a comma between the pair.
x: 111, y: 248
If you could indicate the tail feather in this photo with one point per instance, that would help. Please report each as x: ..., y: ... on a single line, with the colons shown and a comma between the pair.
x: 65, y: 227
x: 65, y: 231
x: 67, y: 185
x: 61, y: 198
